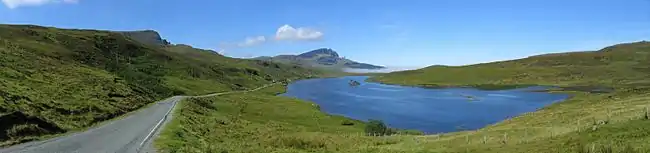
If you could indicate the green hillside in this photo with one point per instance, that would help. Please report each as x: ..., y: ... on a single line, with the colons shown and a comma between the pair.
x: 590, y: 121
x: 620, y: 66
x: 58, y: 80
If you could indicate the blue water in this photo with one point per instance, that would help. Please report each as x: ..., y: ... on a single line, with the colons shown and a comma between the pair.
x: 428, y: 110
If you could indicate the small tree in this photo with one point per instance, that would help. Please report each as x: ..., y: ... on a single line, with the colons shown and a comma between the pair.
x: 376, y: 127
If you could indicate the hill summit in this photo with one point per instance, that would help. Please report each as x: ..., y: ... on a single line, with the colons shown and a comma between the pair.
x: 320, y: 58
x: 317, y: 52
x: 149, y: 37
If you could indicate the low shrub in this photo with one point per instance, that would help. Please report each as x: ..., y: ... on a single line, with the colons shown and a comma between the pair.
x: 347, y: 123
x: 377, y: 128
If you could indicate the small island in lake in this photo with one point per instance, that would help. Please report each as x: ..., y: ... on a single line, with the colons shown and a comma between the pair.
x: 354, y: 83
x: 469, y: 97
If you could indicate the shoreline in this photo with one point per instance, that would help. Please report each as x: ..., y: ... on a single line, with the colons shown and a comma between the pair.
x: 496, y: 87
x: 368, y: 80
x: 317, y: 106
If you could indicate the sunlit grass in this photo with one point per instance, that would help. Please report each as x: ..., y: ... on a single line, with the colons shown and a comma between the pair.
x: 54, y: 81
x: 262, y: 122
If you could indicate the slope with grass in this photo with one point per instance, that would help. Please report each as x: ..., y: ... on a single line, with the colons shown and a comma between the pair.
x: 591, y: 119
x: 57, y: 80
x: 621, y: 66
x: 263, y: 122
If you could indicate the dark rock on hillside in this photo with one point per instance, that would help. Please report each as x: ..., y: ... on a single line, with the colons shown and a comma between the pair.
x: 149, y: 37
x: 328, y: 60
x: 17, y: 124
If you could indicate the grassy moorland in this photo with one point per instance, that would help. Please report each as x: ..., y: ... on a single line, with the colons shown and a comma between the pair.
x: 261, y: 122
x: 588, y: 121
x: 623, y: 66
x: 57, y: 80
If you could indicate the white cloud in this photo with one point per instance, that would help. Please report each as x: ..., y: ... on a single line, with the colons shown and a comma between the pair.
x: 286, y: 32
x: 19, y: 3
x: 250, y: 41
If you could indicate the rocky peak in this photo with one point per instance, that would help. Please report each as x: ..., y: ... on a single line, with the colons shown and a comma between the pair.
x: 321, y: 51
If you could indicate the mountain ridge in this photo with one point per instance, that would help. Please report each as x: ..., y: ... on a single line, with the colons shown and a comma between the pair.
x: 150, y: 37
x: 320, y: 58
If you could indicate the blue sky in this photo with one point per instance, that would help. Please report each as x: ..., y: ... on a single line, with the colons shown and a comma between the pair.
x: 394, y: 33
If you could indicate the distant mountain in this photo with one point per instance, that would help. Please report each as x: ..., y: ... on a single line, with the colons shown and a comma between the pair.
x: 323, y: 58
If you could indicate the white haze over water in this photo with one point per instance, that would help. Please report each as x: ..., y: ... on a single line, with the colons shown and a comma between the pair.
x: 388, y: 69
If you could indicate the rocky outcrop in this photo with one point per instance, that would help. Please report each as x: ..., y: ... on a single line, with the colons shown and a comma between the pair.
x: 149, y: 37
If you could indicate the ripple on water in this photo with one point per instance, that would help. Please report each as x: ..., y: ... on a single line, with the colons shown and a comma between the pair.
x: 385, y: 89
x: 428, y: 110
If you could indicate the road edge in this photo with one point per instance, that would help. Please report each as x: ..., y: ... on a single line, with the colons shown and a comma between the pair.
x: 147, y: 145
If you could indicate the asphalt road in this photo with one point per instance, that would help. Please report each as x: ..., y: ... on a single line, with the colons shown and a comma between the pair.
x: 131, y: 134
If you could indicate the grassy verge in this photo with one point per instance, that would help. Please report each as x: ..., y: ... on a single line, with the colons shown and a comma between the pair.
x: 263, y: 122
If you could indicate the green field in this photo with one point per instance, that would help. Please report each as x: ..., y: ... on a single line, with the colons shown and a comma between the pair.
x: 57, y: 80
x: 617, y: 116
x: 623, y: 66
x: 261, y: 122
